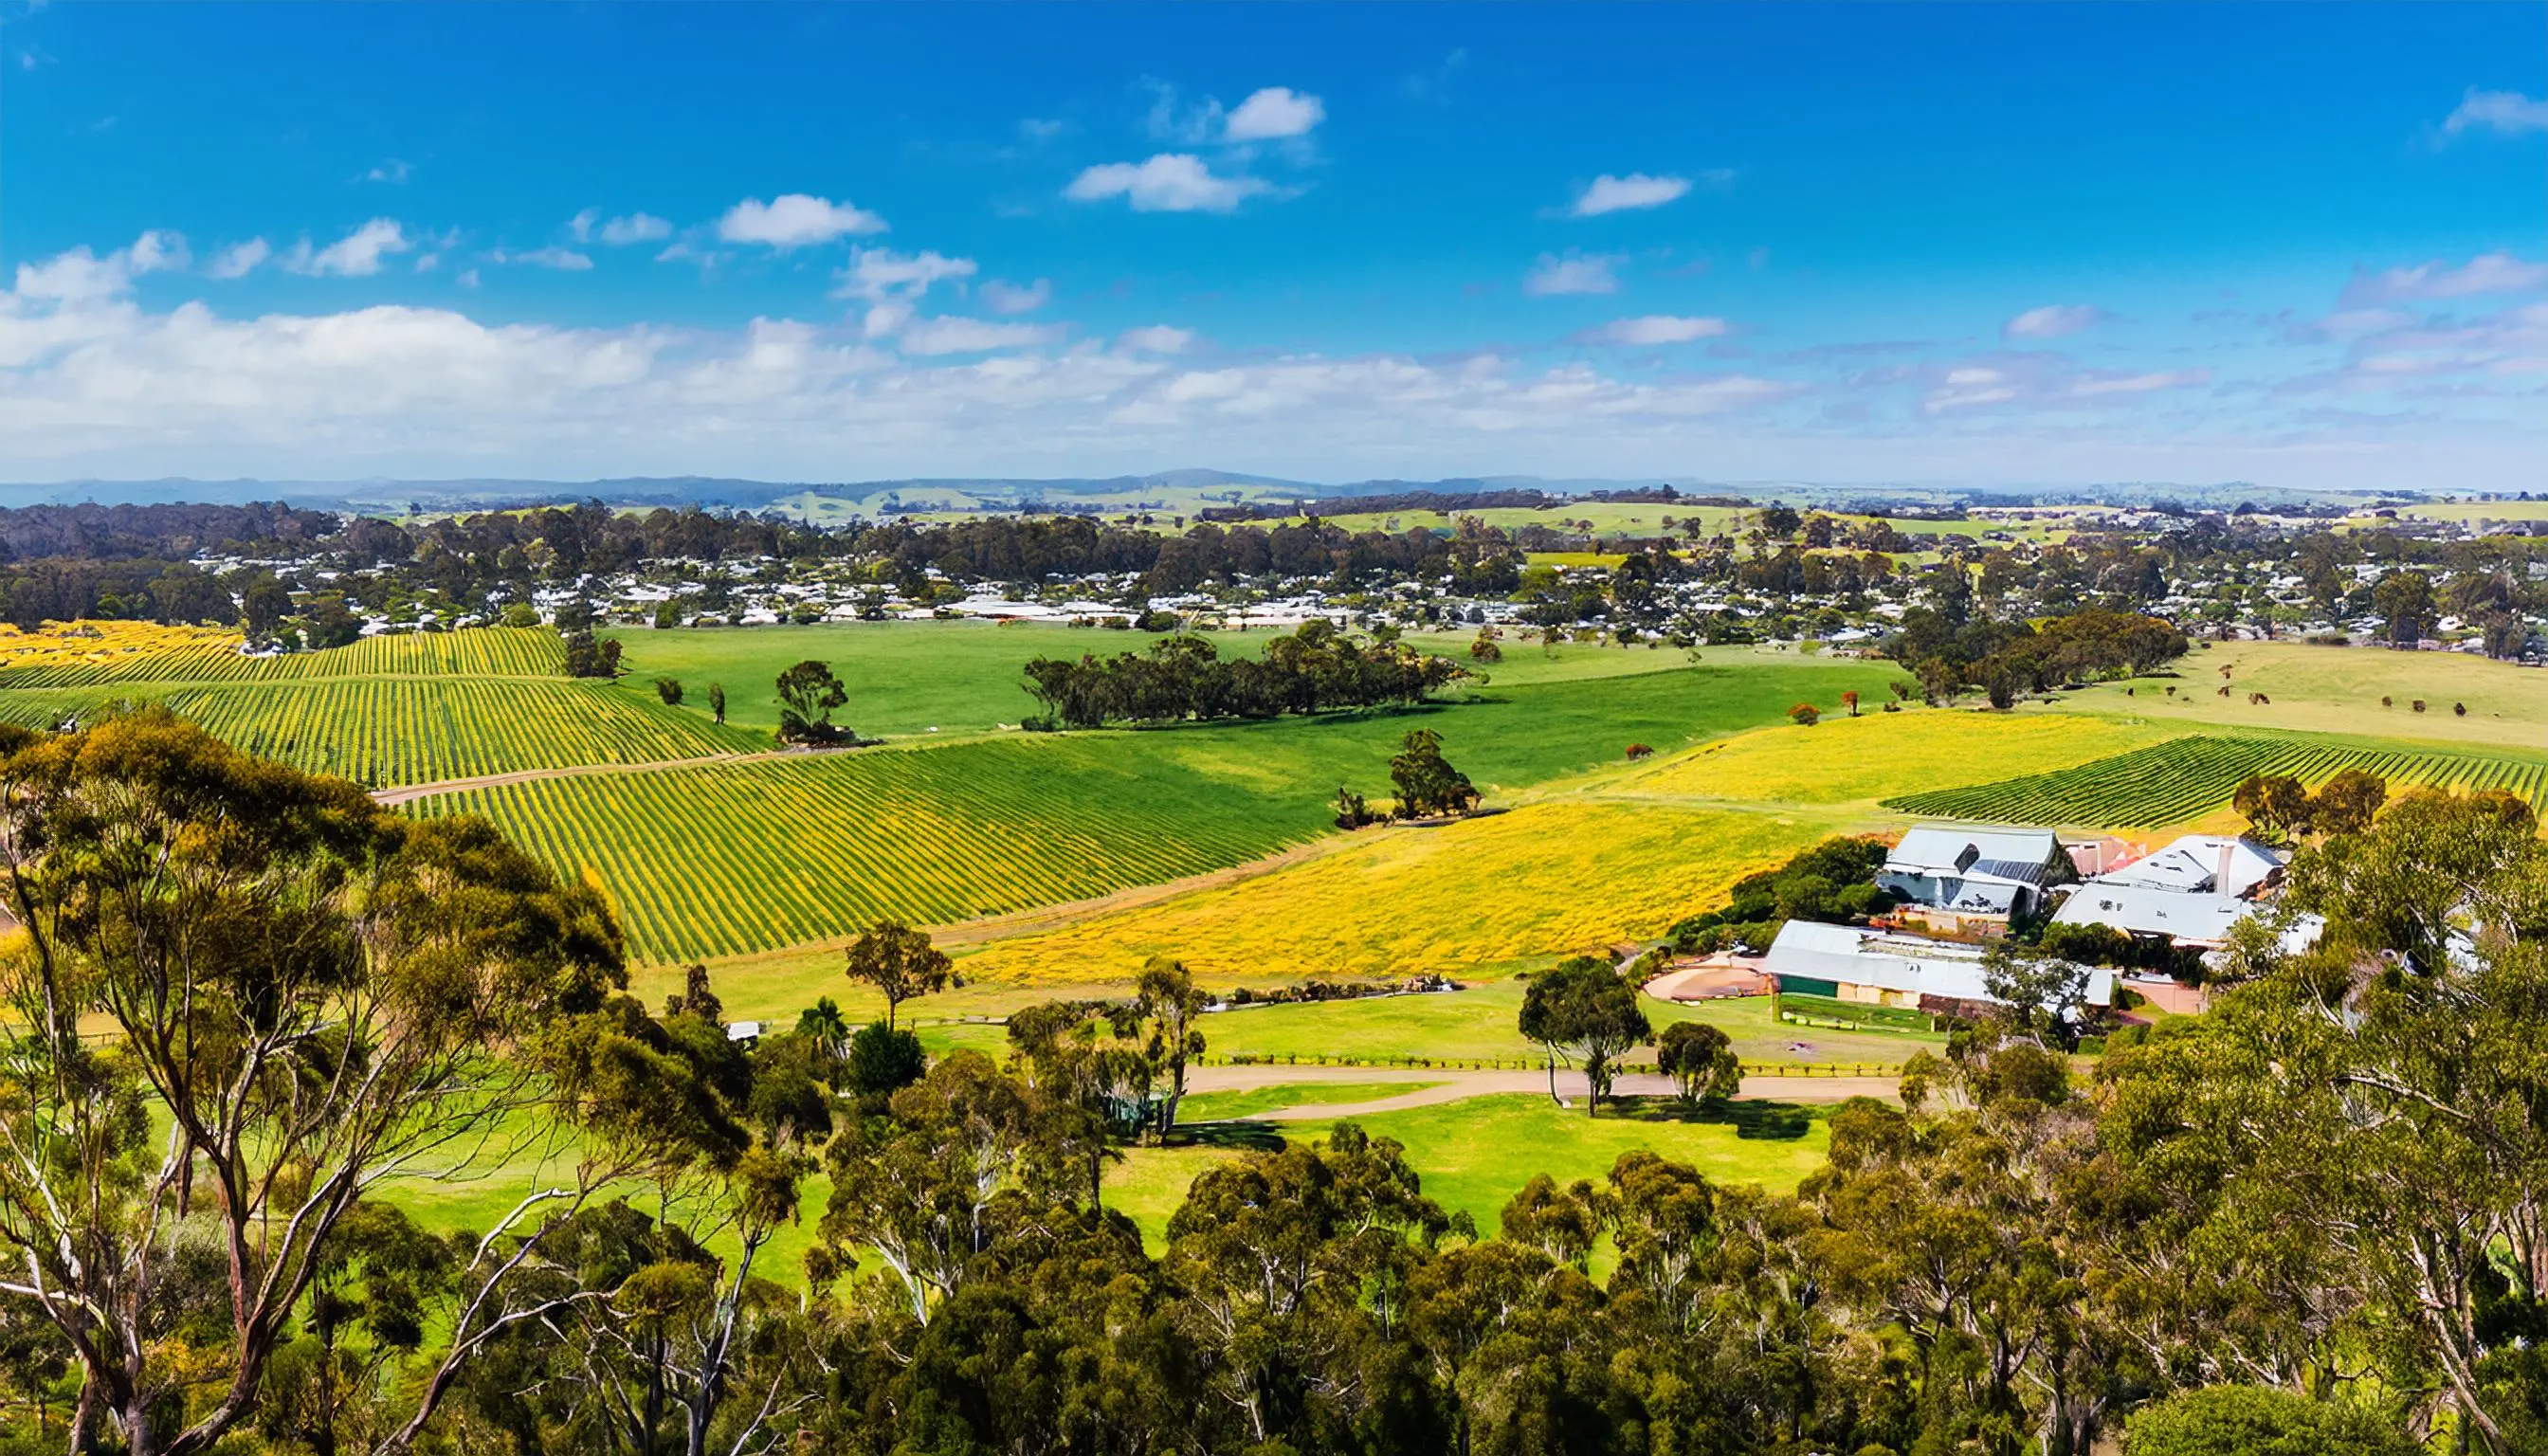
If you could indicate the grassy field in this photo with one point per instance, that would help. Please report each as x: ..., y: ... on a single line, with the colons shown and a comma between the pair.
x: 968, y: 677
x: 1481, y: 1023
x: 2338, y: 689
x: 1844, y: 760
x: 1210, y: 1106
x: 1475, y: 1154
x: 733, y: 858
x: 2180, y: 780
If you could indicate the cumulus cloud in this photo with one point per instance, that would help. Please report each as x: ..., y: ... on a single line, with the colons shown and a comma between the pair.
x: 358, y: 254
x: 1172, y: 182
x: 2506, y: 113
x: 1002, y: 297
x: 2486, y: 273
x: 240, y: 258
x: 1633, y: 191
x: 2053, y: 320
x: 80, y: 276
x: 951, y: 334
x: 1655, y: 328
x: 794, y: 220
x: 1272, y: 114
x: 877, y: 273
x: 589, y: 225
x: 1575, y: 273
x: 1156, y: 339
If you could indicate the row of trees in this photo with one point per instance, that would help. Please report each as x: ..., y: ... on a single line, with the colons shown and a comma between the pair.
x: 1313, y: 670
x: 2006, y: 659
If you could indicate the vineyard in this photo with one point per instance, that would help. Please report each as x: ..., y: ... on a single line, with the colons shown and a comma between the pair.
x: 412, y: 708
x: 724, y: 859
x: 103, y: 654
x: 2186, y: 777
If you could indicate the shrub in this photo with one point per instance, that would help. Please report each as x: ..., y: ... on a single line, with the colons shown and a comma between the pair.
x: 2252, y: 1421
x: 884, y: 1060
x: 2418, y: 704
x: 670, y: 690
x: 2459, y: 711
x: 1805, y: 715
x: 1638, y: 750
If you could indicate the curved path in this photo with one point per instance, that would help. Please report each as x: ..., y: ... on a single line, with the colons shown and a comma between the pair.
x: 1454, y: 1086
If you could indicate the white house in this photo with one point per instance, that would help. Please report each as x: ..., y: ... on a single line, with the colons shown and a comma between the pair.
x: 1888, y: 969
x: 2192, y: 893
x: 1971, y: 869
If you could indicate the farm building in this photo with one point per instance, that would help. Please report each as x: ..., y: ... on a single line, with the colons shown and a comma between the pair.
x: 1962, y: 871
x: 1887, y: 968
x: 2190, y: 893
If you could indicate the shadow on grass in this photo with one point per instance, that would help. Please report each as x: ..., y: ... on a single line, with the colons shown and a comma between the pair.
x: 1752, y: 1120
x: 1243, y: 1137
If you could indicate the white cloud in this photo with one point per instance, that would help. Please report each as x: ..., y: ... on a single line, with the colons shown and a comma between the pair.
x: 1574, y: 273
x: 794, y: 220
x: 1633, y: 191
x: 2053, y: 320
x: 562, y: 259
x: 2508, y: 112
x: 1172, y: 182
x: 358, y: 254
x: 1156, y: 339
x: 1274, y: 113
x: 587, y: 226
x: 1655, y: 328
x: 877, y: 273
x: 1040, y: 129
x: 428, y: 263
x: 391, y: 171
x: 2498, y: 272
x: 956, y: 335
x: 2138, y: 383
x: 240, y: 258
x: 80, y: 276
x: 1014, y: 298
x: 468, y: 278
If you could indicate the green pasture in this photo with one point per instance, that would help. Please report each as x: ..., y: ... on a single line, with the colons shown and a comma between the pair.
x: 1481, y: 1023
x: 1214, y: 1107
x: 1473, y: 1156
x: 2338, y: 689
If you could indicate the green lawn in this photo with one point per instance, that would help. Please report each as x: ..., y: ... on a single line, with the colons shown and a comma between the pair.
x: 1213, y: 1107
x: 1480, y: 1023
x: 1475, y: 1154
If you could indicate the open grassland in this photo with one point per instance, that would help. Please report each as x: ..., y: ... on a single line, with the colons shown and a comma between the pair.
x: 738, y: 857
x: 2479, y: 510
x: 2176, y: 781
x: 1842, y: 761
x: 2338, y: 689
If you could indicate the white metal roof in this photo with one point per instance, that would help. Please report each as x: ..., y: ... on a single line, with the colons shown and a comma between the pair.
x: 1896, y: 962
x: 2216, y: 864
x: 1974, y: 851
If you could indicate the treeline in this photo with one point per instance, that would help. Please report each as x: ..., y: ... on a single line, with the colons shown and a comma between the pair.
x: 165, y: 532
x: 1313, y: 670
x: 2009, y: 658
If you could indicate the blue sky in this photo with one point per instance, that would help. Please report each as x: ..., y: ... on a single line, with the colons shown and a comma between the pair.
x: 1980, y: 244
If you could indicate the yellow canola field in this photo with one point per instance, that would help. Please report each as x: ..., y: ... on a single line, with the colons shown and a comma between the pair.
x: 1876, y: 755
x: 1545, y: 879
x: 78, y: 644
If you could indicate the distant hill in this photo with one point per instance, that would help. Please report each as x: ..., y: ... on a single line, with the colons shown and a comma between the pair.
x: 1181, y: 491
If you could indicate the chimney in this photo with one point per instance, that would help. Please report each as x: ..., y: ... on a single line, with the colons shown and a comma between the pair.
x: 2220, y: 871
